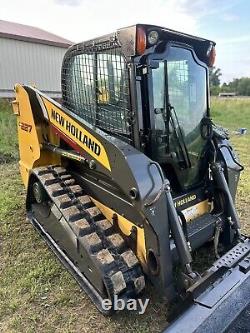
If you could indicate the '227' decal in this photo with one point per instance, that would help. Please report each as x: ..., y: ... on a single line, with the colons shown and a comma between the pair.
x: 25, y: 127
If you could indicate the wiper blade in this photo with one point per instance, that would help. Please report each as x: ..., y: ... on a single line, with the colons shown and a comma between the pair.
x: 179, y: 135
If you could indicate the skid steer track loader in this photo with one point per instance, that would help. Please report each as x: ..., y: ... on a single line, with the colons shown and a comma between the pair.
x: 129, y: 175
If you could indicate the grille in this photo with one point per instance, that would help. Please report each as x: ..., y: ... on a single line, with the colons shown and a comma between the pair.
x: 95, y: 86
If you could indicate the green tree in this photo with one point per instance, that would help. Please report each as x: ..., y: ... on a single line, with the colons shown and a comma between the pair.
x: 239, y: 86
x: 214, y: 90
x: 214, y: 76
x: 243, y: 87
x: 226, y: 87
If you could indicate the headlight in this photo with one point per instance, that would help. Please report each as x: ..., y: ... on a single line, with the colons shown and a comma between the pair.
x: 153, y: 37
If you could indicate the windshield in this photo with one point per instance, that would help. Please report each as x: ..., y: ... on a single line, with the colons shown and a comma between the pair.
x: 186, y: 81
x: 180, y: 103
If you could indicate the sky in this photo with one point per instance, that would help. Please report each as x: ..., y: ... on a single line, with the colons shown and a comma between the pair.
x: 227, y: 22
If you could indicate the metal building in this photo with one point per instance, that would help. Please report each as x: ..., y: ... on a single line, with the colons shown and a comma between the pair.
x: 31, y: 56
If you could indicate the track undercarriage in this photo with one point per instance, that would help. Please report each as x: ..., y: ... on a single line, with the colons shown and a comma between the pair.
x: 82, y: 238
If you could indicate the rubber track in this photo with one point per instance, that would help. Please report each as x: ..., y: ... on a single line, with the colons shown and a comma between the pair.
x: 119, y: 267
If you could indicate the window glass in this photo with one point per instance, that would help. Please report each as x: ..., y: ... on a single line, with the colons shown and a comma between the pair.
x: 158, y: 76
x: 181, y: 81
x: 186, y: 89
x: 186, y: 83
x: 159, y: 93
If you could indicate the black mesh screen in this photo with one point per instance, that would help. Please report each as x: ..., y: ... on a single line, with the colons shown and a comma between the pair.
x: 95, y: 86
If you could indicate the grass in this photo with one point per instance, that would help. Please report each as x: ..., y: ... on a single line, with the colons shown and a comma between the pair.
x: 231, y: 113
x: 8, y: 137
x: 234, y: 114
x: 36, y: 293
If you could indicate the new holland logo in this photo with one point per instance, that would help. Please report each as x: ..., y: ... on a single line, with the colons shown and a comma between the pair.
x: 185, y: 200
x: 76, y: 132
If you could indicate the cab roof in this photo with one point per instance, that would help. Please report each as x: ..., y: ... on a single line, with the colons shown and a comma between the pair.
x: 126, y: 39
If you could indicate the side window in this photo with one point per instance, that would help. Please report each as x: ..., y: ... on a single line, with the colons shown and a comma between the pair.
x: 158, y: 79
x: 97, y: 90
x: 112, y: 93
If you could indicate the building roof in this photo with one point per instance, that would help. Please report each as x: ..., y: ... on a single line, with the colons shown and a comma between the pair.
x: 31, y: 34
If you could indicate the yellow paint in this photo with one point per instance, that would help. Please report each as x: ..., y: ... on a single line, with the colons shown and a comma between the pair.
x: 29, y: 136
x: 29, y: 147
x: 102, y: 158
x: 197, y: 210
x: 126, y: 226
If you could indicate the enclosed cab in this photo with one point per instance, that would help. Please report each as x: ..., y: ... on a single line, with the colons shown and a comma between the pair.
x: 148, y: 86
